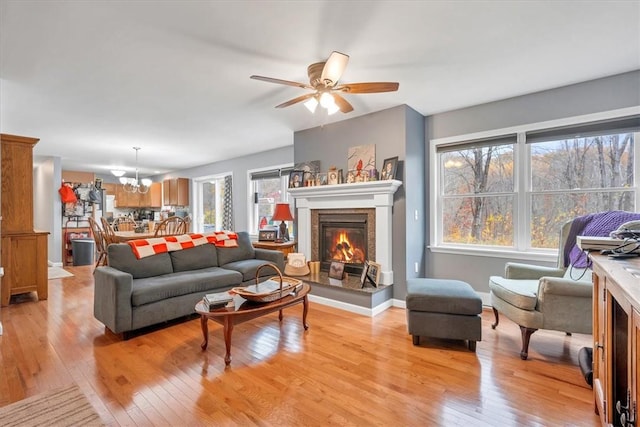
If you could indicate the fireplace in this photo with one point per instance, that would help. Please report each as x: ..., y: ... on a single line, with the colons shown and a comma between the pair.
x: 343, y: 238
x: 373, y: 198
x: 344, y: 235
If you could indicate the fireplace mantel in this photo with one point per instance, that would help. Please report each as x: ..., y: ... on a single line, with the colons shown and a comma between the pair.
x: 372, y: 194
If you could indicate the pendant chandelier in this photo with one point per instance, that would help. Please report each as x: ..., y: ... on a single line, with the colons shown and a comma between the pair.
x: 134, y: 185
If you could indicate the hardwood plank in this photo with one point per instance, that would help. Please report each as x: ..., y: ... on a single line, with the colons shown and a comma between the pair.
x: 346, y: 369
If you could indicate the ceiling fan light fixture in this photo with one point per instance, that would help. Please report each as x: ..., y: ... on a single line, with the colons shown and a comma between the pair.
x: 124, y: 180
x: 326, y: 100
x: 311, y: 104
x: 146, y: 182
x: 332, y: 109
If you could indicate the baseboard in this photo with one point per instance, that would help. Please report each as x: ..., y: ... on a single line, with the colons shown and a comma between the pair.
x: 369, y: 312
x: 372, y: 312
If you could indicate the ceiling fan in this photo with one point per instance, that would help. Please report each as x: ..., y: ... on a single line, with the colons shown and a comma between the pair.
x: 323, y: 81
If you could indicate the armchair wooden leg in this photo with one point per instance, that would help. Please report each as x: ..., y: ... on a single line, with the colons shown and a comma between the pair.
x: 495, y: 313
x: 526, y: 335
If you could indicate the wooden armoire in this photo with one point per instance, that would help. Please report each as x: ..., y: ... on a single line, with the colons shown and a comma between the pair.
x: 24, y: 250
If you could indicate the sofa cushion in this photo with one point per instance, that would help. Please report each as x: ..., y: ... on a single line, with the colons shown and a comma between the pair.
x: 517, y: 292
x: 196, y: 258
x: 152, y: 289
x: 121, y: 257
x: 243, y: 251
x: 248, y: 268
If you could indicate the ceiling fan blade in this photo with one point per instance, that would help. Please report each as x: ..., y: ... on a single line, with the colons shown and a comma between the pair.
x: 296, y: 100
x: 371, y: 87
x: 333, y: 68
x: 342, y: 103
x: 281, y: 82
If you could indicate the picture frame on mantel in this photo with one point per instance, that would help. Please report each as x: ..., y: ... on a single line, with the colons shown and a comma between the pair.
x: 389, y: 168
x: 332, y: 177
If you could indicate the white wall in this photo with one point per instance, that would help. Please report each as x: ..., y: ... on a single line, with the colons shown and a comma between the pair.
x: 46, y: 203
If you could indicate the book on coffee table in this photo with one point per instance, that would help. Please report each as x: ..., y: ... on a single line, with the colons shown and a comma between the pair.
x: 217, y: 300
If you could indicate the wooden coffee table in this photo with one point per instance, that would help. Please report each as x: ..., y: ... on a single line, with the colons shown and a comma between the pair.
x: 243, y: 310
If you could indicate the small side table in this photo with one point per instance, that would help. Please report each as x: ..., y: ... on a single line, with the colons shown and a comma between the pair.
x: 284, y: 247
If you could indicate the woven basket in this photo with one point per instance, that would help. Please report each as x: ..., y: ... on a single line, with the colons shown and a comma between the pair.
x: 286, y: 285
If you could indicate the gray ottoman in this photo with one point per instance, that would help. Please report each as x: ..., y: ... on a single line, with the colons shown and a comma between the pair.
x: 443, y: 309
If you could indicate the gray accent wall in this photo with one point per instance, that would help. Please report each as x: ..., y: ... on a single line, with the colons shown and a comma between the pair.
x: 606, y: 94
x: 397, y: 131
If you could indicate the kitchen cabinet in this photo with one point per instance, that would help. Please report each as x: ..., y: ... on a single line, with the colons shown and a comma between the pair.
x: 153, y: 198
x: 24, y: 250
x: 110, y: 188
x: 616, y: 338
x: 150, y: 199
x: 176, y: 192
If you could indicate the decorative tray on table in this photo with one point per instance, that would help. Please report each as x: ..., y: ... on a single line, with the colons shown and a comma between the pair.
x: 272, y: 289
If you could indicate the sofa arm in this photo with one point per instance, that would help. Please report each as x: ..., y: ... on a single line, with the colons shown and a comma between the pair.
x: 516, y: 270
x: 112, y: 298
x: 274, y: 257
x: 565, y: 287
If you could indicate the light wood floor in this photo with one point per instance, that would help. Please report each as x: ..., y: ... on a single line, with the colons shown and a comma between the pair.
x: 345, y: 370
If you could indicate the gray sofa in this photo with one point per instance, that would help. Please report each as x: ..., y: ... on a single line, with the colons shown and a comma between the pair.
x: 132, y: 293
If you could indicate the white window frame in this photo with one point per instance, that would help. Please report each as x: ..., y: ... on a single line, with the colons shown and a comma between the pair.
x: 521, y: 214
x: 253, y: 231
x: 198, y: 206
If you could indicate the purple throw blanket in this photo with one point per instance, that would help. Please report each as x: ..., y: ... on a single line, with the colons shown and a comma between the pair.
x: 597, y: 224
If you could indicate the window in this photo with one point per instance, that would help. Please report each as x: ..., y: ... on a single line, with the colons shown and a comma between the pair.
x: 514, y: 191
x: 210, y: 203
x: 268, y: 187
x: 478, y: 192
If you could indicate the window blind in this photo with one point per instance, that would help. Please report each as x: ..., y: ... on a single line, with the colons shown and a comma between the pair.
x: 477, y: 143
x: 605, y: 127
x: 271, y: 173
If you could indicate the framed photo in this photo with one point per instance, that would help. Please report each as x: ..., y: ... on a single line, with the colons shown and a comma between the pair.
x: 321, y: 179
x: 389, y: 168
x: 296, y: 179
x: 373, y: 273
x: 267, y: 235
x: 336, y: 270
x: 332, y: 177
x: 352, y: 176
x: 310, y: 169
x: 363, y: 277
x: 361, y: 158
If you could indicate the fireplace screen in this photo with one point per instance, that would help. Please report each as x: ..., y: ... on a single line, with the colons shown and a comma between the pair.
x: 343, y: 238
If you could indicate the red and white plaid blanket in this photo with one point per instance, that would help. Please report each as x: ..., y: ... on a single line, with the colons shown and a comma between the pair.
x: 156, y: 245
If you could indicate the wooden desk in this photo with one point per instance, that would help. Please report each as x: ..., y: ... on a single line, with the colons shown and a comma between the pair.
x: 284, y: 247
x: 616, y: 336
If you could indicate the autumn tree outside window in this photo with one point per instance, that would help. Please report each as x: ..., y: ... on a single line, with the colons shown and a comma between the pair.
x: 514, y: 191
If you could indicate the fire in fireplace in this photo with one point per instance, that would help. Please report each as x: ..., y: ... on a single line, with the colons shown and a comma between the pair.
x: 343, y: 238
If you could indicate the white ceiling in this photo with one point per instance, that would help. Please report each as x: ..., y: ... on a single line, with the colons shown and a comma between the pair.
x: 92, y: 79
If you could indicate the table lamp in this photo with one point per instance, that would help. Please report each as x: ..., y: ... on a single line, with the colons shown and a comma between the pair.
x: 282, y: 213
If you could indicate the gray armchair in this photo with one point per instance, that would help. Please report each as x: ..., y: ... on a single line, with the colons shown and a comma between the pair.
x: 538, y: 297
